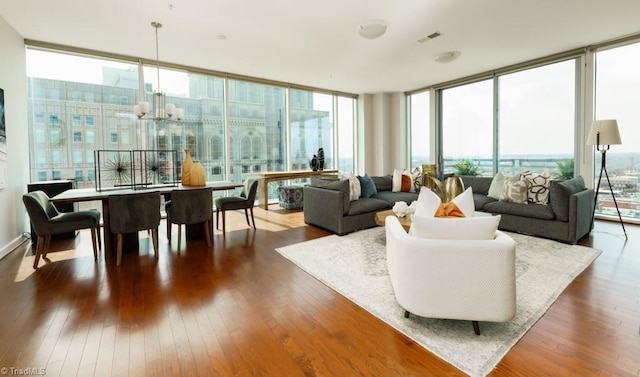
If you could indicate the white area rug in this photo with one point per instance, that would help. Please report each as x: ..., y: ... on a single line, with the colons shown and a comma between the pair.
x: 355, y: 266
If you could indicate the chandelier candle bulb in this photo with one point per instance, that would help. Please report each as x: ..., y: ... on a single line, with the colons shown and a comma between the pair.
x: 143, y: 107
x: 179, y: 113
x: 170, y: 109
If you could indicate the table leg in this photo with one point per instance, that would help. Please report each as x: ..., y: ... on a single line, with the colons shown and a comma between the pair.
x: 263, y: 194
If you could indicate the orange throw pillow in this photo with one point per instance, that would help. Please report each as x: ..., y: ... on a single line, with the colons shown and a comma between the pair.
x: 448, y: 209
x: 406, y: 183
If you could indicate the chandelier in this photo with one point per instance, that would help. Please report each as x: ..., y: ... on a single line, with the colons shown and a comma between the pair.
x: 161, y: 110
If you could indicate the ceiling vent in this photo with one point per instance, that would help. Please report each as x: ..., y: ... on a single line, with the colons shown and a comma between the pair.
x: 429, y: 37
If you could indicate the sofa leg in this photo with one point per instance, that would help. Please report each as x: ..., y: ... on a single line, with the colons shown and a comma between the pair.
x: 406, y: 314
x: 476, y: 327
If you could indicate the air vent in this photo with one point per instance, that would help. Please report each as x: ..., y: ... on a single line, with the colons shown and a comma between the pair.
x: 429, y: 37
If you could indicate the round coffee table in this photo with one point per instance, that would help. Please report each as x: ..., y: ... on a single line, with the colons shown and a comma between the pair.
x: 404, y: 221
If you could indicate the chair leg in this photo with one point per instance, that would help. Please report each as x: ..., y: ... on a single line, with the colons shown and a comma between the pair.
x: 476, y: 327
x: 168, y: 228
x: 39, y: 247
x: 252, y: 218
x: 47, y: 244
x: 224, y: 224
x: 94, y: 243
x: 179, y: 236
x: 207, y: 232
x: 99, y: 237
x: 154, y: 237
x: 217, y: 219
x: 246, y: 216
x: 119, y: 249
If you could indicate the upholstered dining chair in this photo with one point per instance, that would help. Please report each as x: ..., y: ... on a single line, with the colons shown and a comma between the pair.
x: 193, y: 206
x: 131, y: 213
x: 245, y: 201
x: 47, y: 221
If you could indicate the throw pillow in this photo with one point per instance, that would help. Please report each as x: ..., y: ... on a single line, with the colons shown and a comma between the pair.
x: 515, y: 190
x: 416, y: 176
x: 468, y: 228
x: 396, y: 185
x: 497, y: 186
x: 448, y: 209
x: 354, y: 186
x: 367, y: 187
x: 428, y: 203
x: 538, y: 187
x: 407, y: 182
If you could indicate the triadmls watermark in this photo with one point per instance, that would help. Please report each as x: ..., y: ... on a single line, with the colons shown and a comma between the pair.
x: 13, y: 371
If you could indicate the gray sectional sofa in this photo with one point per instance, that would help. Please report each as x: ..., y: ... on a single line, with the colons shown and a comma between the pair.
x: 327, y: 204
x: 566, y: 218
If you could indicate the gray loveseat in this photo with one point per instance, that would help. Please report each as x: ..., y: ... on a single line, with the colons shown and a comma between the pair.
x: 566, y: 218
x: 327, y: 204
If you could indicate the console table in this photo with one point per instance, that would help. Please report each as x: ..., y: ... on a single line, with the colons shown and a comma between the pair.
x: 266, y: 177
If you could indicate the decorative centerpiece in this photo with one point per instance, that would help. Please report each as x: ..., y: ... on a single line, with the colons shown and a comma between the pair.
x: 186, y: 168
x: 401, y: 209
x: 198, y: 176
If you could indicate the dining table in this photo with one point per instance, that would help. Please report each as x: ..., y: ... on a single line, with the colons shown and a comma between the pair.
x: 92, y: 194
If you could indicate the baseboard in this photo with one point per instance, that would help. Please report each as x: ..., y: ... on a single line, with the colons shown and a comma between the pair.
x: 11, y: 246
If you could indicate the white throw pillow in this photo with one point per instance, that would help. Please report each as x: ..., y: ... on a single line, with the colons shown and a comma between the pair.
x: 455, y: 228
x: 464, y: 201
x: 354, y: 186
x: 497, y: 186
x: 396, y: 183
x: 428, y: 202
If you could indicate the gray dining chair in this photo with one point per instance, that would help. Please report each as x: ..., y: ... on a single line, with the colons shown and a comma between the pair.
x: 47, y: 221
x: 245, y: 201
x: 189, y: 207
x: 131, y: 213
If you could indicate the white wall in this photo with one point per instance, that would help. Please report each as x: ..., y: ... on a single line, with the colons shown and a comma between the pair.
x: 382, y: 133
x: 13, y: 219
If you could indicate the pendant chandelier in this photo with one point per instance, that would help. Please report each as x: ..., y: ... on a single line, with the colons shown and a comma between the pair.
x: 161, y: 110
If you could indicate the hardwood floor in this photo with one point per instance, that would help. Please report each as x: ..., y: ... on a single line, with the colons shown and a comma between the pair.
x: 241, y: 309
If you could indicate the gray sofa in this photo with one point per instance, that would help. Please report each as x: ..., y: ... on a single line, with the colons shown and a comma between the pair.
x: 327, y: 204
x: 566, y: 218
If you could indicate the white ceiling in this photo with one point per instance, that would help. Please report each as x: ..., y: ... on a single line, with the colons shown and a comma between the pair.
x: 316, y: 43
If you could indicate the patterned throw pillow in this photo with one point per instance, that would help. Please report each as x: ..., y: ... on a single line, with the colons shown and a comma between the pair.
x: 416, y: 174
x: 515, y: 190
x: 538, y: 186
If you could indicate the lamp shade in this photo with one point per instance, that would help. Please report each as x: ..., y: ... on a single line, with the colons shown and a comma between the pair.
x: 372, y: 29
x: 604, y: 132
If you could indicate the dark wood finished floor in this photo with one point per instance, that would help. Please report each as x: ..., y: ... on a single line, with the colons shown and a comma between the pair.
x: 240, y: 309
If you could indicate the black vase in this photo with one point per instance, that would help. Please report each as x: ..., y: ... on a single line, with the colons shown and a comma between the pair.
x: 320, y: 159
x: 313, y: 164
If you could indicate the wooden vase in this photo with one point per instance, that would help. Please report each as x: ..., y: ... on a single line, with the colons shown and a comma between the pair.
x: 187, y: 164
x: 198, y: 175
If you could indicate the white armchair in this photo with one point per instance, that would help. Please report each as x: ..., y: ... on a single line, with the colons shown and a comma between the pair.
x: 454, y: 279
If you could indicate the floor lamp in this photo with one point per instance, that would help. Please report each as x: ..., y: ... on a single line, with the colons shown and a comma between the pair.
x: 603, y: 134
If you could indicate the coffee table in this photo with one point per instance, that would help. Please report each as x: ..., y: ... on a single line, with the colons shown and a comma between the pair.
x: 404, y: 221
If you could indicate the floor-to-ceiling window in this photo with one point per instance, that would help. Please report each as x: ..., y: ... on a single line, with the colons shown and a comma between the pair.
x: 77, y: 105
x: 524, y: 119
x: 419, y: 128
x: 467, y: 129
x: 617, y: 97
x: 235, y: 128
x: 311, y: 116
x: 536, y: 119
